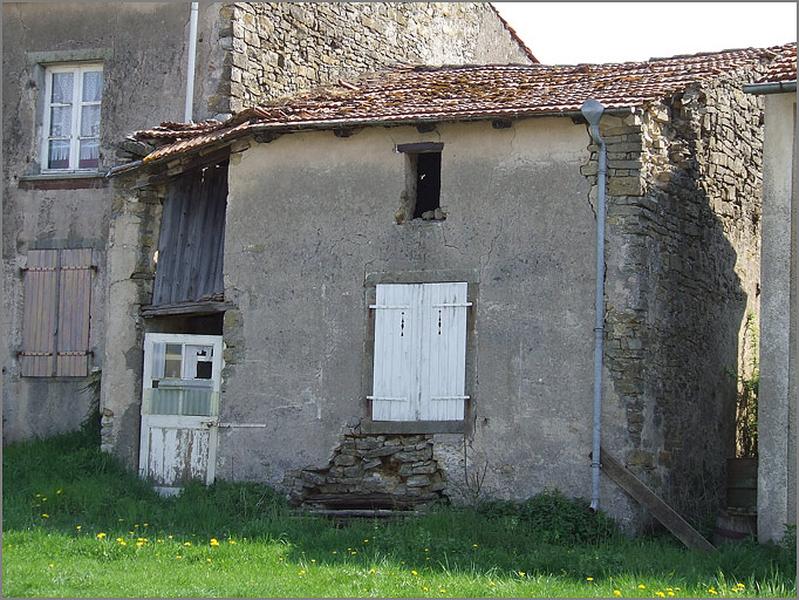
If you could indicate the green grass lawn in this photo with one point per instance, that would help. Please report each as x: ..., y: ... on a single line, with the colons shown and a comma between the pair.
x: 76, y: 524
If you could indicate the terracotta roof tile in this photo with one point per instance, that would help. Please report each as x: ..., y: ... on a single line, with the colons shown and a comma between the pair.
x: 453, y: 93
x: 783, y: 68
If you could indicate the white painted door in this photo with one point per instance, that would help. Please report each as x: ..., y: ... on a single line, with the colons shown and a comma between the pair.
x: 180, y: 408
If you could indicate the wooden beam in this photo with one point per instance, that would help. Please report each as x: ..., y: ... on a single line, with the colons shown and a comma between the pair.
x: 420, y: 147
x: 185, y: 308
x: 664, y: 513
x: 501, y: 123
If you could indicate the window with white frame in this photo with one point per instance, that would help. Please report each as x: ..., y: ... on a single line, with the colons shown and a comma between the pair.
x: 71, y: 123
x: 419, y: 352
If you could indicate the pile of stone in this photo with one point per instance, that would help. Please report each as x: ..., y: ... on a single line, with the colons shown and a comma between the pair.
x: 373, y: 471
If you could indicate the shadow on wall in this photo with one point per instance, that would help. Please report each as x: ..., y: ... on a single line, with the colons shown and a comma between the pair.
x: 687, y: 236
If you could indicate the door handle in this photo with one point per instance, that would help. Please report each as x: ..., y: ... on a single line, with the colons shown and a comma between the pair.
x: 209, y: 424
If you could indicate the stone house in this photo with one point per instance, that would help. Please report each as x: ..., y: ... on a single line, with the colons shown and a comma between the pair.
x: 398, y: 305
x: 779, y: 369
x: 78, y: 76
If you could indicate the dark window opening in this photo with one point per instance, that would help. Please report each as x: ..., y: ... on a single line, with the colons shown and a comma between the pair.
x: 428, y: 186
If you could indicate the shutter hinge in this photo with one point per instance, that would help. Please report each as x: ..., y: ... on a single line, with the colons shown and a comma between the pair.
x: 388, y: 307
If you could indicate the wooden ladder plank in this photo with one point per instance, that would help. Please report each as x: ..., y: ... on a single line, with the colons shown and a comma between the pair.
x: 664, y: 513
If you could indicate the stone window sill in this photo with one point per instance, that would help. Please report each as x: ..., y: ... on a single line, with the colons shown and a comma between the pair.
x: 412, y: 427
x: 63, y: 181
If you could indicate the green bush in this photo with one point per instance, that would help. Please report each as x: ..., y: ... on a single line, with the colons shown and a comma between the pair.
x: 554, y: 518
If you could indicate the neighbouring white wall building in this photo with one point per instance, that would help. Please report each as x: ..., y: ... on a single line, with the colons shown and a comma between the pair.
x: 779, y: 316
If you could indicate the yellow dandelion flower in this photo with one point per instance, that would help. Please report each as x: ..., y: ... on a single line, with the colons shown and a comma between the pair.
x: 617, y: 593
x: 521, y: 573
x: 51, y: 565
x: 425, y: 588
x: 334, y: 551
x: 366, y: 540
x: 670, y: 593
x: 100, y: 536
x: 145, y: 524
x: 38, y: 495
x: 169, y: 537
x: 59, y: 491
x: 178, y: 557
x: 131, y: 533
x: 491, y: 583
x: 313, y: 561
x: 78, y: 527
x: 641, y: 586
x: 231, y: 541
x: 187, y: 544
x: 372, y: 571
x: 45, y: 516
x: 354, y: 552
x: 414, y: 573
x: 301, y: 573
x: 475, y: 546
x: 214, y: 542
x: 442, y: 590
x: 589, y: 578
x: 712, y: 590
x: 660, y: 594
x: 427, y: 549
x: 207, y: 560
x: 44, y: 498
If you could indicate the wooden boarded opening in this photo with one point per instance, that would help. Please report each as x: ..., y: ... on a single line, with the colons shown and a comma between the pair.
x: 192, y: 238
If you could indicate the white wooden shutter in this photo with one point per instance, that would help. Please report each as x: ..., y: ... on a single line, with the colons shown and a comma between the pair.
x: 395, y: 378
x: 443, y: 352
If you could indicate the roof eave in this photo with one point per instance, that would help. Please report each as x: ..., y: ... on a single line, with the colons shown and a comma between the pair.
x: 329, y: 125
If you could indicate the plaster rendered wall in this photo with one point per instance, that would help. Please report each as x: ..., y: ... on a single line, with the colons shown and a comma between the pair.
x: 143, y: 49
x: 310, y: 216
x: 141, y: 46
x: 683, y: 273
x: 776, y: 494
x: 276, y: 49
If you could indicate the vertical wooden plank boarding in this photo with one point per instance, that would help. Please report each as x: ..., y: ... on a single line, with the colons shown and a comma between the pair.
x: 39, y: 318
x: 74, y: 313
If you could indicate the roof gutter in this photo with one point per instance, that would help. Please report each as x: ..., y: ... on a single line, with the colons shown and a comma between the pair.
x: 777, y: 87
x: 592, y: 110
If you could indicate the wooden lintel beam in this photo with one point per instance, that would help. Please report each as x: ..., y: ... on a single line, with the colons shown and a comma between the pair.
x: 420, y: 147
x: 185, y: 308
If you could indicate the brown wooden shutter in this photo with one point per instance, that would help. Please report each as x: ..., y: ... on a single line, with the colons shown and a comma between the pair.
x: 74, y: 305
x: 37, y: 358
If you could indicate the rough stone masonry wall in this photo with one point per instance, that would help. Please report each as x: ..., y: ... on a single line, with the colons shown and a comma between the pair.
x: 683, y: 273
x: 276, y: 49
x: 373, y: 471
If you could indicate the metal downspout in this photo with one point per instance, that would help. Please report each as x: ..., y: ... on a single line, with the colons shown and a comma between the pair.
x: 592, y: 111
x: 188, y: 108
